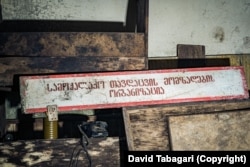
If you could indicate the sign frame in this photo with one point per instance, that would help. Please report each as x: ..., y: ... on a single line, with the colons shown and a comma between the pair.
x: 25, y: 94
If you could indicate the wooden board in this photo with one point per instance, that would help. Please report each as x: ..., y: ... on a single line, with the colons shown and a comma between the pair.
x: 12, y: 67
x: 190, y: 51
x: 119, y: 89
x: 103, y: 152
x: 147, y: 126
x: 70, y: 44
x: 217, y: 131
x: 69, y: 52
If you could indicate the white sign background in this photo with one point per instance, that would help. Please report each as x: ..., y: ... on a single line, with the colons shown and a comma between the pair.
x: 118, y: 89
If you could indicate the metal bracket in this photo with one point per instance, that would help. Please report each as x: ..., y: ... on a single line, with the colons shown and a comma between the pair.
x: 52, y: 112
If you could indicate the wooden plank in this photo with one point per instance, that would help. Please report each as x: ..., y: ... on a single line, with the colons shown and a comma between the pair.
x: 68, y: 44
x: 67, y: 26
x: 11, y: 67
x: 142, y: 16
x: 176, y: 63
x: 245, y: 61
x: 146, y: 127
x: 191, y: 56
x: 187, y: 108
x: 148, y: 133
x: 119, y: 89
x: 103, y: 152
x: 190, y: 51
x: 218, y: 131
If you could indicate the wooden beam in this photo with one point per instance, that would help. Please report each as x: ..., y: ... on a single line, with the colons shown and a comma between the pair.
x: 71, y: 44
x: 190, y: 108
x: 12, y: 67
x: 191, y: 56
x: 148, y: 133
x: 142, y: 16
x: 190, y: 51
x: 142, y: 21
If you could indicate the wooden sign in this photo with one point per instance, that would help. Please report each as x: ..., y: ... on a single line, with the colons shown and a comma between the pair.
x: 131, y: 88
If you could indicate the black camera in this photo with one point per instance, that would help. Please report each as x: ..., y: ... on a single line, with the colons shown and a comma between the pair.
x: 95, y: 129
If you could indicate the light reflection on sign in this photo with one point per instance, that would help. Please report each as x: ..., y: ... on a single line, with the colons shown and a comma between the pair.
x: 120, y: 89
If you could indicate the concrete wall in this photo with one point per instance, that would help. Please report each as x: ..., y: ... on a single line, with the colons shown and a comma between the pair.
x: 223, y: 26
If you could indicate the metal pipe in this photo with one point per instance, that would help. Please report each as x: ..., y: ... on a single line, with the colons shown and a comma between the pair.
x: 50, y: 129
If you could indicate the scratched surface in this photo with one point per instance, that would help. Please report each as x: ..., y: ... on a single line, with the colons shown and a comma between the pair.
x: 220, y: 131
x: 119, y: 89
x: 103, y: 152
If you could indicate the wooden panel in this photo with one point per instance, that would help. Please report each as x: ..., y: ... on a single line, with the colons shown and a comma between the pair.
x: 220, y: 131
x: 156, y: 117
x: 146, y: 131
x: 190, y: 51
x: 103, y: 152
x: 72, y: 44
x: 15, y: 66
